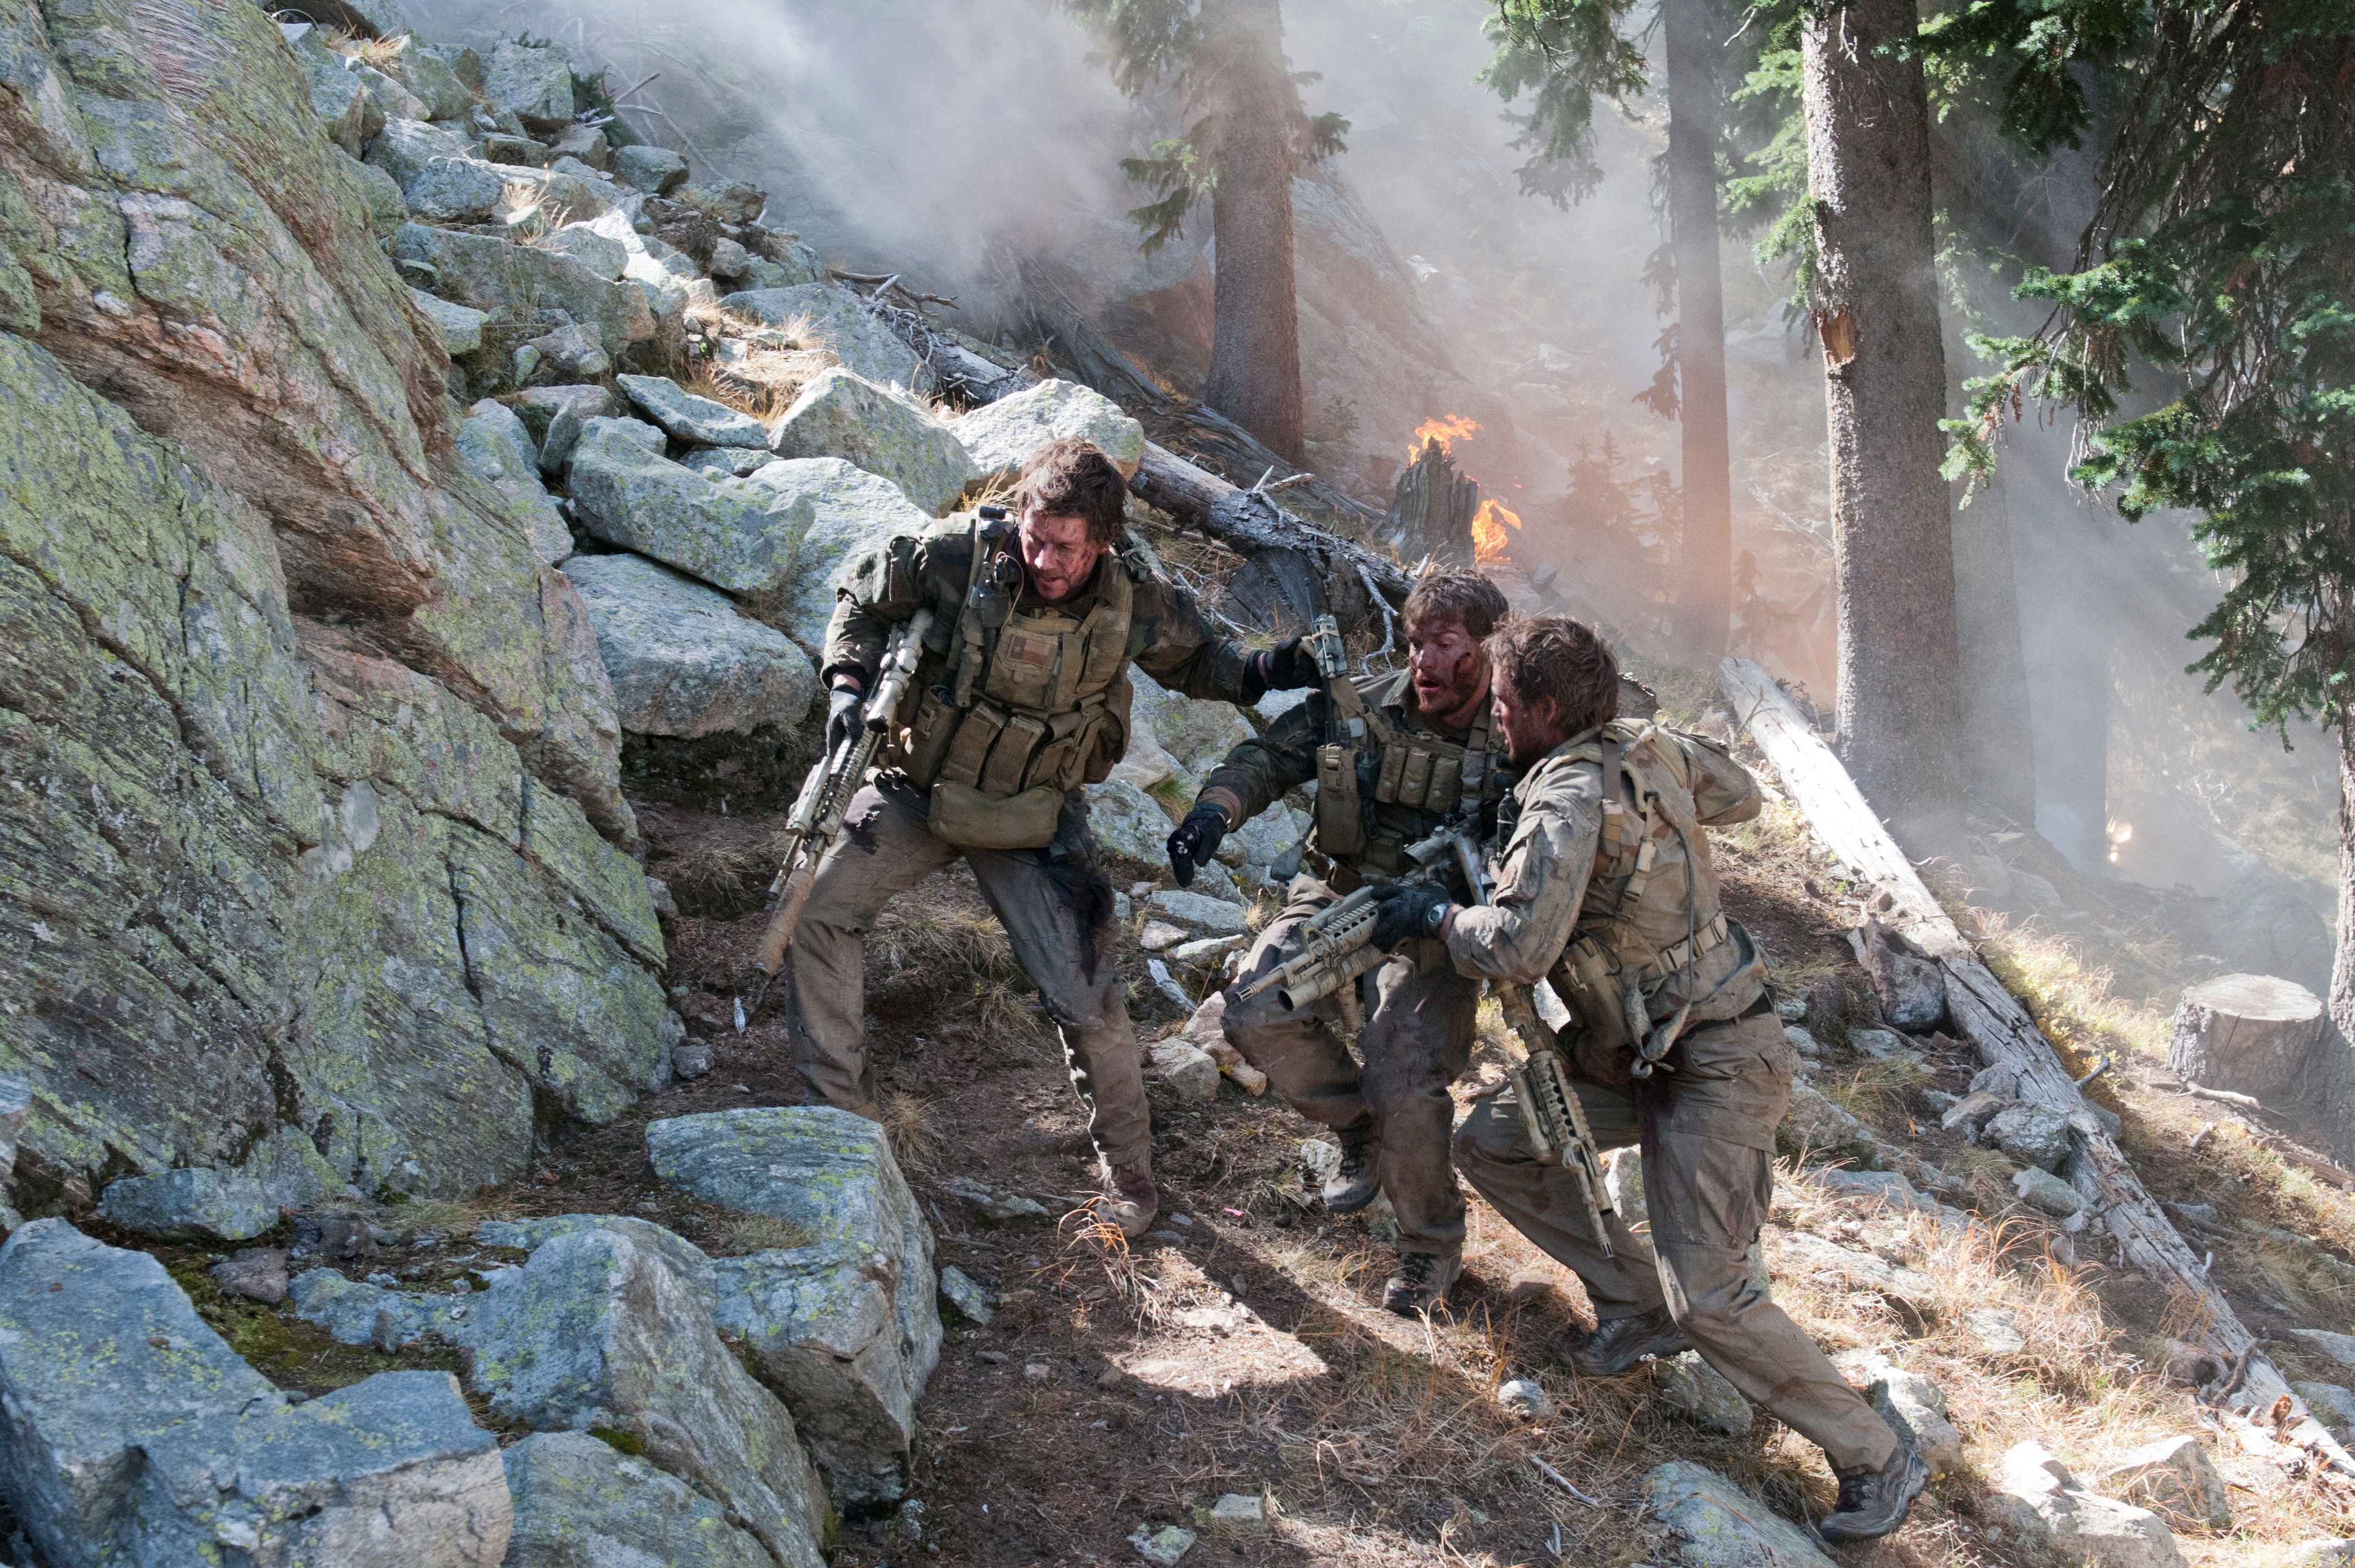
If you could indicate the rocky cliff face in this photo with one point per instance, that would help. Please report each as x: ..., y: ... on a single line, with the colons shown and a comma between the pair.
x: 316, y: 859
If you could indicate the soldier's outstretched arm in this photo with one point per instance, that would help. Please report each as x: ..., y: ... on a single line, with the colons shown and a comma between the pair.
x: 1541, y: 877
x: 1255, y: 775
x: 886, y: 586
x: 1177, y: 646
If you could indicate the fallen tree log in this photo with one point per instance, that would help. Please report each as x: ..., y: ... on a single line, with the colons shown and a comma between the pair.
x: 2001, y: 1029
x: 1360, y: 586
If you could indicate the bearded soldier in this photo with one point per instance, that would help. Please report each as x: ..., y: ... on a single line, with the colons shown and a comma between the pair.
x: 1604, y: 889
x: 1392, y: 757
x: 1021, y: 696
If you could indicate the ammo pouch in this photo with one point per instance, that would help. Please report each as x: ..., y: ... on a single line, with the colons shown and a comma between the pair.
x: 1602, y: 1047
x: 1340, y: 815
x: 964, y: 816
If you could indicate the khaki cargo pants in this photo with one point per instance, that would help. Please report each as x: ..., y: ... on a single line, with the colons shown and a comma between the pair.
x: 1707, y: 1133
x: 1416, y: 1042
x: 887, y: 848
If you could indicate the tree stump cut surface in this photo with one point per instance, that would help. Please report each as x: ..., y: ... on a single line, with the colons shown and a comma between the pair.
x: 2251, y: 1034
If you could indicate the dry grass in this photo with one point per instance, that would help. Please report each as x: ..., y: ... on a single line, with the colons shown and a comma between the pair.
x: 917, y: 1141
x: 741, y: 1234
x: 2073, y: 1005
x: 955, y: 962
x: 721, y: 879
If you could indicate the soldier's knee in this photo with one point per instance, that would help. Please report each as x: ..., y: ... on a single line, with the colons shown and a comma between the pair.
x: 1489, y: 1139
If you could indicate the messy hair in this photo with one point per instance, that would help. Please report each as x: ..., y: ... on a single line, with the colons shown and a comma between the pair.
x: 1540, y: 656
x: 1457, y: 594
x: 1068, y: 477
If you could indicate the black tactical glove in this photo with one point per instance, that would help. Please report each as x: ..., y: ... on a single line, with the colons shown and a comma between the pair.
x: 1408, y: 909
x: 842, y: 718
x: 1287, y: 667
x: 1196, y: 840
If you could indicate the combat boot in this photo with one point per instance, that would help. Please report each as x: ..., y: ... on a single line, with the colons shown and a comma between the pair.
x: 1421, y: 1283
x: 1131, y: 1203
x: 1874, y: 1503
x: 1618, y: 1343
x: 1357, y: 1175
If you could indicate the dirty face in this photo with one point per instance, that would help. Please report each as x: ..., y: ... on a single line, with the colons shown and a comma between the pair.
x: 1057, y: 554
x: 1530, y: 729
x: 1449, y: 669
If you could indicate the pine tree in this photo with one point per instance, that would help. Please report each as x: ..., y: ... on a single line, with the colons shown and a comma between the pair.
x: 1223, y: 61
x: 2220, y: 266
x: 1563, y: 53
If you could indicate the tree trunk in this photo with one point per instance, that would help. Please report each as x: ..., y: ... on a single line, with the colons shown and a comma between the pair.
x: 2335, y: 1064
x: 1876, y: 302
x: 1705, y: 594
x: 1255, y: 339
x: 2249, y: 1034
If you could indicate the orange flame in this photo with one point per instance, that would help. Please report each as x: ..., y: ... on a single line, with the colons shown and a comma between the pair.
x: 1446, y: 429
x: 1488, y: 535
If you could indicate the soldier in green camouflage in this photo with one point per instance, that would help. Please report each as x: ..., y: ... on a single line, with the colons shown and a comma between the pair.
x: 1021, y: 698
x: 1392, y: 758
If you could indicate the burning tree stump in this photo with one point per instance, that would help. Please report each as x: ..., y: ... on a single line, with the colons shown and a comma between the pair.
x: 1433, y: 507
x: 2249, y: 1034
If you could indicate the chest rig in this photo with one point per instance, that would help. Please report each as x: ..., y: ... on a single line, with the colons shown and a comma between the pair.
x: 1031, y: 702
x: 1635, y: 932
x: 1369, y: 760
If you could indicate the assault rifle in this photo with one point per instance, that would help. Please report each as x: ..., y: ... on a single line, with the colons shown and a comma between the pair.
x: 817, y: 819
x: 1550, y: 1112
x: 1338, y: 943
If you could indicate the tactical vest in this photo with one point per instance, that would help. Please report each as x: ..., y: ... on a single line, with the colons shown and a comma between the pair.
x: 1375, y: 762
x: 1033, y: 703
x: 1637, y: 931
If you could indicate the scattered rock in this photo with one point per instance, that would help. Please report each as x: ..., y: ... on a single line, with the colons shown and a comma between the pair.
x: 572, y: 352
x: 588, y: 244
x: 2332, y: 1405
x: 1909, y: 1401
x: 1209, y: 950
x: 2340, y: 1347
x: 1820, y: 1129
x: 1524, y: 1397
x: 2046, y: 1194
x: 727, y: 462
x: 1200, y: 910
x: 831, y: 316
x: 128, y: 1415
x: 1997, y: 1080
x: 597, y: 1331
x: 880, y: 429
x: 192, y: 1204
x: 1719, y: 1525
x: 1002, y: 435
x: 255, y: 1274
x: 1529, y: 1285
x: 1189, y: 1071
x: 438, y: 173
x: 1813, y: 1254
x: 995, y: 1202
x: 1974, y: 1111
x: 2035, y: 1495
x: 532, y: 81
x: 488, y: 273
x: 2323, y: 1554
x: 1912, y: 989
x: 683, y: 416
x: 1163, y: 1545
x: 969, y: 1300
x: 1807, y: 1046
x: 1690, y: 1384
x: 682, y: 660
x: 833, y: 512
x: 728, y: 532
x: 2175, y: 1478
x: 1882, y: 1045
x: 1995, y: 1328
x: 1159, y: 937
x: 1875, y: 1187
x: 2032, y: 1133
x: 461, y: 328
x: 1197, y: 734
x: 495, y: 442
x: 1127, y: 821
x: 654, y: 170
x: 581, y: 1503
x: 1237, y: 1514
x: 845, y: 1324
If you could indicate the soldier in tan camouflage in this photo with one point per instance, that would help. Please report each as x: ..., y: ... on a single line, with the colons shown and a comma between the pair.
x: 1021, y: 698
x: 1394, y: 758
x: 1605, y: 890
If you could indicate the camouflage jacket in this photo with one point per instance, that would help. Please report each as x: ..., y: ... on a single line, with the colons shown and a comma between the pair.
x: 1558, y: 875
x: 1259, y: 772
x: 1168, y: 636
